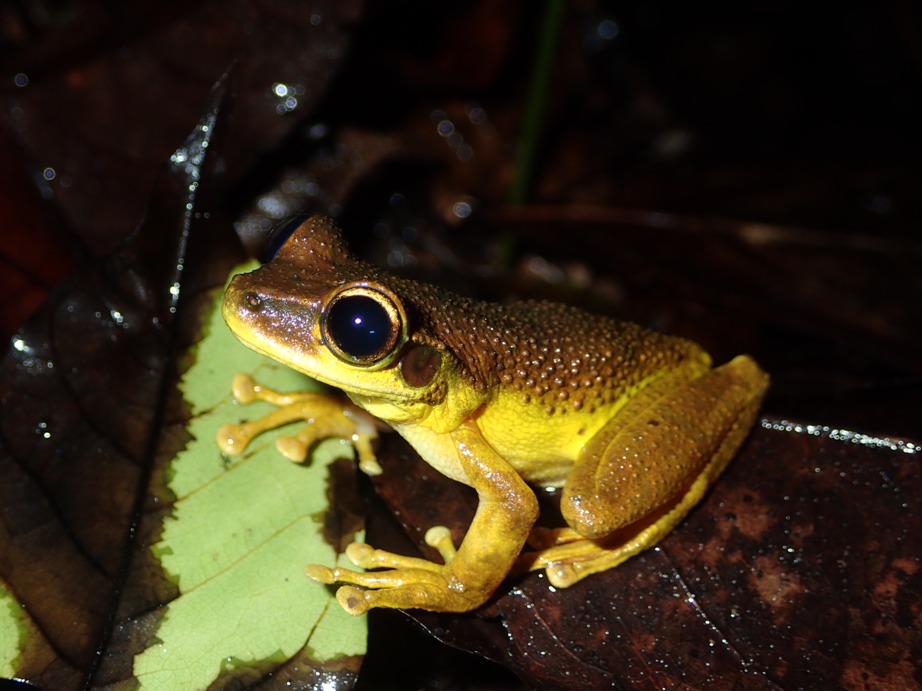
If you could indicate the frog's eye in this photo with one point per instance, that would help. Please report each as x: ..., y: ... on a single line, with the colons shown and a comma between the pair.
x: 363, y: 325
x: 280, y: 233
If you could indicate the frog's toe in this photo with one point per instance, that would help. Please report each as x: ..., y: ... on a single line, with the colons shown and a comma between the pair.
x: 244, y: 388
x: 361, y: 554
x: 292, y: 448
x: 367, y: 557
x: 439, y: 537
x: 232, y: 439
x: 353, y: 600
x: 562, y: 575
x: 320, y: 574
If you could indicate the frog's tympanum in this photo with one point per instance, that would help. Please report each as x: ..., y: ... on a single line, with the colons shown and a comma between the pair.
x: 633, y: 425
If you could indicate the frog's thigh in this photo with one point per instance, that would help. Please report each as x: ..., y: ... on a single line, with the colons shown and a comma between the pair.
x: 673, y: 437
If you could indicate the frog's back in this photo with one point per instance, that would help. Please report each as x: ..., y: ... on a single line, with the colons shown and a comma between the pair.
x: 550, y: 356
x: 558, y: 357
x: 557, y: 375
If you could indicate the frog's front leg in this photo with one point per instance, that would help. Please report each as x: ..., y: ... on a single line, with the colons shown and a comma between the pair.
x: 649, y: 466
x: 325, y: 416
x: 505, y: 514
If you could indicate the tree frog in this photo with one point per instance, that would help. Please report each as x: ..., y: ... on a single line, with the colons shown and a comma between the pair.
x: 633, y: 425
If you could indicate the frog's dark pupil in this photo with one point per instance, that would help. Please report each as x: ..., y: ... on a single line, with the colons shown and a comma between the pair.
x: 360, y: 326
x: 279, y: 235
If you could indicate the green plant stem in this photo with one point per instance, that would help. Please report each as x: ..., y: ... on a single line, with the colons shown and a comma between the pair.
x: 537, y: 101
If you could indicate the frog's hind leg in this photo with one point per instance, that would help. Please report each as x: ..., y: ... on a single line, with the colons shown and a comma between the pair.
x: 644, y: 472
x: 574, y: 557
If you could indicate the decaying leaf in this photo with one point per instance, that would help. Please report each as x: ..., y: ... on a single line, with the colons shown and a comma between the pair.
x: 800, y: 569
x: 131, y: 551
x: 102, y: 94
x: 799, y: 125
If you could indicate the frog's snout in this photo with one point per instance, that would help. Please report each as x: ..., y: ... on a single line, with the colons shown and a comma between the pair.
x: 241, y: 302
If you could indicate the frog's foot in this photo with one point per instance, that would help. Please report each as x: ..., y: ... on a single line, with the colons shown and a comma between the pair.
x: 568, y: 557
x: 325, y: 416
x: 471, y: 574
x: 406, y: 582
x: 569, y: 562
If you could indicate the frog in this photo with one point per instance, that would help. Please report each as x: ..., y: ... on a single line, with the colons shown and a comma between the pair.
x: 631, y: 426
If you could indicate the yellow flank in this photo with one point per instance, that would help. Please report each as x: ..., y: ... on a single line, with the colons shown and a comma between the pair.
x: 628, y: 421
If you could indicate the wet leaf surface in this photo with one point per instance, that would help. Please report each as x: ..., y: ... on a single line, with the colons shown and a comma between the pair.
x: 120, y: 563
x: 748, y: 179
x: 29, y: 269
x: 775, y: 581
x: 81, y: 90
x: 77, y: 453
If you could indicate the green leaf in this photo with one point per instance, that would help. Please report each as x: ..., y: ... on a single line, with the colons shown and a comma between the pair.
x: 132, y: 554
x: 241, y: 531
x: 12, y: 624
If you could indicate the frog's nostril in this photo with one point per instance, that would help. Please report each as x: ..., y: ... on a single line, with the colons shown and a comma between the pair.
x: 253, y: 300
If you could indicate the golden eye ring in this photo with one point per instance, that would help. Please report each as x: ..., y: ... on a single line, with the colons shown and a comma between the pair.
x: 363, y: 324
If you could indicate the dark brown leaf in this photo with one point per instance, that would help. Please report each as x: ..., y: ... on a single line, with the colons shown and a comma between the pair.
x: 800, y: 569
x: 29, y: 268
x: 80, y: 441
x: 796, y: 117
x: 90, y: 416
x: 107, y: 92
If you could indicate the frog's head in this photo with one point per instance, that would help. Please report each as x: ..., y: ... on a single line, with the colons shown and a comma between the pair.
x: 319, y: 310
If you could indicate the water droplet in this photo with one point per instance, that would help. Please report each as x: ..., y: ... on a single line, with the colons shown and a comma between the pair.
x: 461, y: 209
x: 608, y: 29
